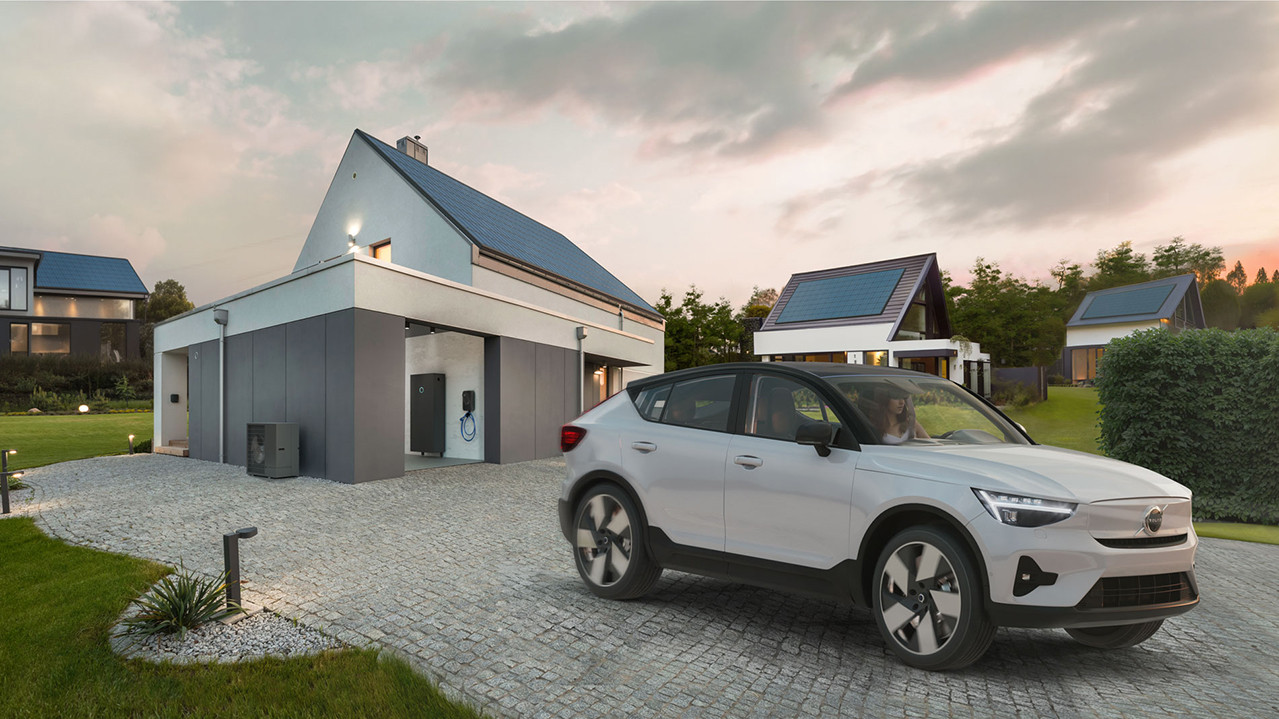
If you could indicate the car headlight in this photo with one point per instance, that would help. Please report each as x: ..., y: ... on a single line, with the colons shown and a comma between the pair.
x: 1020, y: 511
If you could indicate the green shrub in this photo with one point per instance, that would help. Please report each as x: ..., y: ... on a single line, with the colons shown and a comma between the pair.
x: 21, y: 375
x: 1201, y: 407
x: 1012, y: 394
x: 178, y: 603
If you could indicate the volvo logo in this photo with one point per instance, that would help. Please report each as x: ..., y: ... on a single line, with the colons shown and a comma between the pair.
x: 1154, y: 519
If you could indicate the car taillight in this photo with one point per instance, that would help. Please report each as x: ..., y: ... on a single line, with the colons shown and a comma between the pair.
x: 570, y: 437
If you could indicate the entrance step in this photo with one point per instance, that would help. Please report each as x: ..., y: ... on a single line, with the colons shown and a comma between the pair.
x: 172, y: 450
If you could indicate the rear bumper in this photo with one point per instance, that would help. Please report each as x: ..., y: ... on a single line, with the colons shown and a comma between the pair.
x: 566, y: 520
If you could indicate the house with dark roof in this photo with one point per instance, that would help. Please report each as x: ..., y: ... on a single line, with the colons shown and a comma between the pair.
x: 891, y: 313
x: 1171, y: 303
x: 424, y: 322
x: 60, y: 303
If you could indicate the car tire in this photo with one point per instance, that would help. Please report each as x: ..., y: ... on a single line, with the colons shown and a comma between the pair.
x: 935, y: 622
x: 1117, y: 637
x: 609, y: 547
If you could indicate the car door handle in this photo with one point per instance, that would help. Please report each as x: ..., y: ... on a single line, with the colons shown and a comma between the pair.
x: 644, y: 447
x: 748, y: 461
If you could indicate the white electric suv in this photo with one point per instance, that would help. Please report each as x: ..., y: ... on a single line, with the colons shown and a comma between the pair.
x: 896, y: 490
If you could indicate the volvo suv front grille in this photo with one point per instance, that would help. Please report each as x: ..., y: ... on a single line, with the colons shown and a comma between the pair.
x: 1144, y: 542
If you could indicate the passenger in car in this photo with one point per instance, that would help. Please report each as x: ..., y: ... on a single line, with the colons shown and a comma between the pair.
x: 895, y: 416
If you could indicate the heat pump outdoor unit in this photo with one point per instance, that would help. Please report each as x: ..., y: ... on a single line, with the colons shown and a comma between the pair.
x: 272, y: 449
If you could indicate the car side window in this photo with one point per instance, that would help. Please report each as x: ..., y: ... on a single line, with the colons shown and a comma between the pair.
x: 651, y: 401
x: 702, y: 403
x: 778, y: 406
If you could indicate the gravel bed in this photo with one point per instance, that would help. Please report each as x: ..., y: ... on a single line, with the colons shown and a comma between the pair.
x: 265, y: 634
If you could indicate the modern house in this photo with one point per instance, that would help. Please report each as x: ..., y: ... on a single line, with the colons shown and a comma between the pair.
x: 890, y: 313
x: 1171, y: 303
x: 410, y: 282
x: 60, y: 303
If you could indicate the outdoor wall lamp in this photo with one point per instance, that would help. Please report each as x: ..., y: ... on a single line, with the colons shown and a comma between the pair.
x: 4, y: 479
x: 231, y: 559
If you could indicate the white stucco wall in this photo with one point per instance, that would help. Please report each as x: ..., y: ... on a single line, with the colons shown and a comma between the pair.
x: 370, y: 199
x: 460, y: 358
x: 1101, y: 334
x: 862, y: 338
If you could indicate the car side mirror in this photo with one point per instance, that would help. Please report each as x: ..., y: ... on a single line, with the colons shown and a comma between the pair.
x: 818, y: 435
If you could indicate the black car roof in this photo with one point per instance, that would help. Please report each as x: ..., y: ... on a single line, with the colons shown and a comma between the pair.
x: 812, y: 369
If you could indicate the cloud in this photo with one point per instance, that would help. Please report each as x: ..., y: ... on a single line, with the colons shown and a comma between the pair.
x: 1146, y: 82
x: 705, y: 79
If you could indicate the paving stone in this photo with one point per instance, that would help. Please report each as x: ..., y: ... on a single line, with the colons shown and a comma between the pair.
x: 463, y: 571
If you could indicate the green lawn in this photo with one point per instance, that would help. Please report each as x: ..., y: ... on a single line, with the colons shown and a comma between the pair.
x: 1243, y: 532
x: 57, y: 608
x: 45, y: 439
x: 1067, y: 419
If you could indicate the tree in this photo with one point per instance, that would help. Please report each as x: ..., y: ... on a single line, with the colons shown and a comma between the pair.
x: 1016, y: 322
x: 1274, y: 277
x: 1119, y: 266
x: 1178, y: 258
x: 169, y: 299
x: 1262, y: 278
x: 766, y: 298
x: 1237, y: 277
x: 1220, y: 304
x: 1070, y: 287
x: 697, y: 333
x: 1255, y: 301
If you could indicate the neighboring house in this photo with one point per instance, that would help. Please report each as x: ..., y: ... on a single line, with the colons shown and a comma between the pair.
x: 1171, y: 303
x: 406, y: 271
x: 890, y: 313
x: 59, y: 303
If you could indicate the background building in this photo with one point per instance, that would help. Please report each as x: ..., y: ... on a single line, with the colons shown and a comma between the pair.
x: 58, y: 303
x: 890, y: 313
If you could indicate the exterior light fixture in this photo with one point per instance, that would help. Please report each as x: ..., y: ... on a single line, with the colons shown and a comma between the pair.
x: 84, y: 408
x: 4, y: 479
x: 231, y: 560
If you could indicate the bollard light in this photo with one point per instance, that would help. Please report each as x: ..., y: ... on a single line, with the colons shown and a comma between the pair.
x: 231, y: 559
x: 84, y: 408
x: 4, y: 479
x: 130, y: 444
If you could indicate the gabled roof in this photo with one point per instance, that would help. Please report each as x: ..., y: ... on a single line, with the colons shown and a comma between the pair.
x: 495, y: 227
x: 873, y: 293
x: 85, y: 273
x: 1143, y: 302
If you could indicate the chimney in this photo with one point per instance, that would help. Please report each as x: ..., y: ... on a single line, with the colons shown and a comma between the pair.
x: 412, y: 147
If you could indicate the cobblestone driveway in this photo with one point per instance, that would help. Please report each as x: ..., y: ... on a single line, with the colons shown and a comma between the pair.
x: 463, y: 571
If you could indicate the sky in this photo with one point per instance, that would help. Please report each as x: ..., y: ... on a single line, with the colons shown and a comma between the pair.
x: 723, y: 145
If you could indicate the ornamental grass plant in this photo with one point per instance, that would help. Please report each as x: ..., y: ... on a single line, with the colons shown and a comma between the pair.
x: 179, y: 602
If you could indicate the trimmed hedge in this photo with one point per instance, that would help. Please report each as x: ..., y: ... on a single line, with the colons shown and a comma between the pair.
x: 1201, y: 407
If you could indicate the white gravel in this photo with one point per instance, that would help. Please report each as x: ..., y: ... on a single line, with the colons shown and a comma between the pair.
x: 262, y: 635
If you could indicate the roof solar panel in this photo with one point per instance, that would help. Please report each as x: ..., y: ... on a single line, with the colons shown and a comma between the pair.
x: 60, y: 270
x: 500, y: 228
x: 1140, y: 301
x: 839, y: 297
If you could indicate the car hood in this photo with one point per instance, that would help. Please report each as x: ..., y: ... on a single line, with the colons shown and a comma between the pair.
x: 1037, y: 470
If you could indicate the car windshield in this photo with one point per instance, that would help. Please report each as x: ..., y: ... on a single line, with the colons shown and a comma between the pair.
x: 905, y: 410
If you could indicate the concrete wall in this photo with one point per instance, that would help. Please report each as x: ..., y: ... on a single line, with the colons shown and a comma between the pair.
x: 460, y: 358
x: 170, y: 374
x: 370, y: 199
x: 530, y: 395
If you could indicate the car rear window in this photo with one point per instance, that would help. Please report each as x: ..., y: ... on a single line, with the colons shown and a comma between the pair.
x: 702, y: 403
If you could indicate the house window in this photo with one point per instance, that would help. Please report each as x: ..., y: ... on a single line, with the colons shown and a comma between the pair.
x: 918, y: 323
x: 878, y: 358
x: 111, y: 341
x: 13, y: 288
x: 840, y: 357
x: 50, y: 338
x: 1083, y: 363
x: 94, y: 308
x: 18, y: 333
x: 381, y: 251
